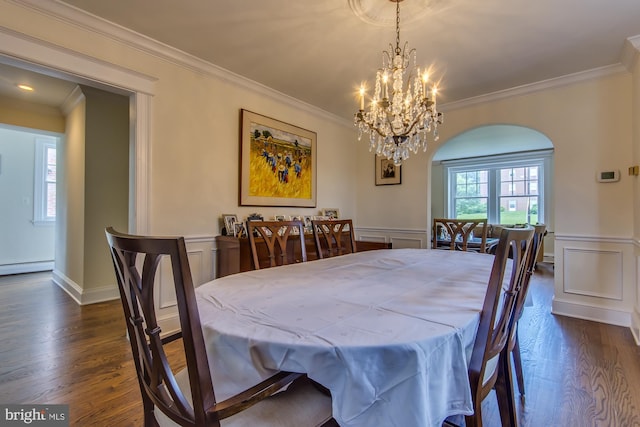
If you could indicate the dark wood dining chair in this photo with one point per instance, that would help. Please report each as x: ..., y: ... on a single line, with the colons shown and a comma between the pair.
x: 513, y: 345
x: 187, y: 398
x: 455, y: 234
x: 275, y: 243
x: 485, y: 368
x: 334, y: 237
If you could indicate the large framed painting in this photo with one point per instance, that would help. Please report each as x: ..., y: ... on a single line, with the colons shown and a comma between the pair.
x: 387, y: 173
x: 277, y: 163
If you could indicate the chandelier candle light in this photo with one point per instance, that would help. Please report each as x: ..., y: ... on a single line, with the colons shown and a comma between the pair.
x: 399, y: 124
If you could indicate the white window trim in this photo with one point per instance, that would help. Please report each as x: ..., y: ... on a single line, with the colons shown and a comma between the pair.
x: 543, y: 158
x: 40, y: 216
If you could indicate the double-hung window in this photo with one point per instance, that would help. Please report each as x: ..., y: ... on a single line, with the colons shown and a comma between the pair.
x: 505, y: 189
x: 45, y: 181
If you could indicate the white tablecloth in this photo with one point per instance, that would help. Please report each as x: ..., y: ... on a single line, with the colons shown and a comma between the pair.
x: 389, y: 332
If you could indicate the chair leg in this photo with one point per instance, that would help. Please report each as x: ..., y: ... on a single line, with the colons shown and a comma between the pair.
x: 504, y: 391
x: 517, y: 363
x: 474, y: 420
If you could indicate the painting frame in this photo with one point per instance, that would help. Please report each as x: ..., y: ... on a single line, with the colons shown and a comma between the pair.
x: 277, y: 163
x: 386, y: 172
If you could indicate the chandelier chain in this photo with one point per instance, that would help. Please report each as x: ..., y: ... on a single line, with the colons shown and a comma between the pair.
x: 398, y: 27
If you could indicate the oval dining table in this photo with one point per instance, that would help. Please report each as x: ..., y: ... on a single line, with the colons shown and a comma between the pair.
x: 388, y: 332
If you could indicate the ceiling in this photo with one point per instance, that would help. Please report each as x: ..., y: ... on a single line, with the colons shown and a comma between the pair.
x: 48, y: 91
x: 321, y: 51
x: 492, y: 140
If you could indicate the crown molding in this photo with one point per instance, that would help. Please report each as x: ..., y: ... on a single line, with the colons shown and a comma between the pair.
x: 28, y: 52
x: 536, y: 87
x: 72, y: 100
x: 630, y: 52
x: 88, y: 22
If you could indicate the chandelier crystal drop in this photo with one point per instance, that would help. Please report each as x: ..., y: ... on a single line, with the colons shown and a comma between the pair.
x: 402, y: 112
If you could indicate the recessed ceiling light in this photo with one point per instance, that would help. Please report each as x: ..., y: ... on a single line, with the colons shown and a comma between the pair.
x: 25, y: 87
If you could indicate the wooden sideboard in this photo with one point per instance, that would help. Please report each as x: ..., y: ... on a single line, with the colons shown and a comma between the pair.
x: 234, y: 254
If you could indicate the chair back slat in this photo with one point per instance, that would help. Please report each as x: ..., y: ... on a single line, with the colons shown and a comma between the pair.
x: 513, y: 247
x: 530, y: 262
x: 458, y: 232
x: 136, y: 260
x: 276, y: 235
x: 334, y: 237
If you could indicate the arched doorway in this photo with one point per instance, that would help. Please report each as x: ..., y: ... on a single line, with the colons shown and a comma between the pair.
x: 501, y: 172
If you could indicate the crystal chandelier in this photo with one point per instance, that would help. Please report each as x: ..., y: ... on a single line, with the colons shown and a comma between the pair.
x: 401, y: 114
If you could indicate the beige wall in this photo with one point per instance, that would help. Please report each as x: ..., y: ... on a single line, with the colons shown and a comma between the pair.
x: 589, y: 124
x: 70, y: 205
x: 106, y: 180
x: 636, y: 189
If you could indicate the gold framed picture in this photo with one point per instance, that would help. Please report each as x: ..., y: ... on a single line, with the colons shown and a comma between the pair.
x: 277, y: 163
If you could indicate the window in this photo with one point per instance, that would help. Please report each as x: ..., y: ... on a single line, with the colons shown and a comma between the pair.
x: 471, y: 193
x: 45, y: 181
x: 519, y: 203
x: 504, y: 189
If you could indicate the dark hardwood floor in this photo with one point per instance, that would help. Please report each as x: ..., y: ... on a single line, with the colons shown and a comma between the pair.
x: 577, y: 373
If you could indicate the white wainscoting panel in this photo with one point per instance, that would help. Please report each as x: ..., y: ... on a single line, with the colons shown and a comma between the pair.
x: 201, y: 261
x: 399, y: 238
x: 403, y: 242
x: 166, y: 295
x: 370, y: 238
x: 635, y: 317
x: 595, y: 278
x: 593, y: 272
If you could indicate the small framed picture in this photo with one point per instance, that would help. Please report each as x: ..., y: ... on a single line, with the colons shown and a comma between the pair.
x: 255, y: 217
x: 239, y: 229
x: 308, y: 226
x: 331, y: 213
x: 387, y: 173
x: 229, y: 221
x: 281, y: 218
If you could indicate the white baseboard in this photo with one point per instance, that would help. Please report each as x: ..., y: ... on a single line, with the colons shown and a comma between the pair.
x: 590, y: 312
x: 26, y: 267
x: 79, y: 295
x: 635, y: 326
x: 170, y: 324
x: 67, y: 285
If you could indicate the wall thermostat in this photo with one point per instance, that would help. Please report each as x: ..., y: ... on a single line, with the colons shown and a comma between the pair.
x: 608, y: 176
